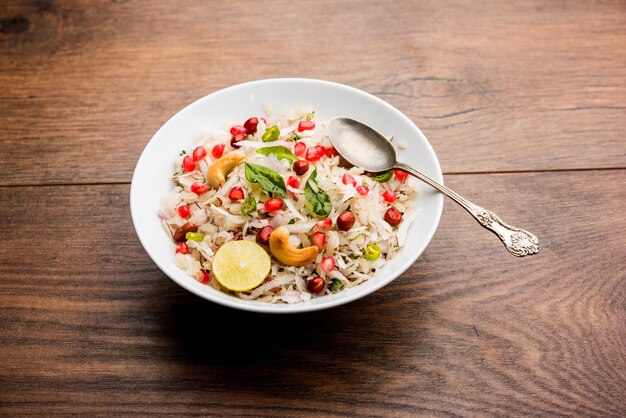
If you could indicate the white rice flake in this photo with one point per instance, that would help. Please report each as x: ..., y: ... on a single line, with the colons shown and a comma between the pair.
x: 292, y: 296
x: 220, y: 219
x: 299, y: 228
x: 292, y: 209
x: 277, y: 282
x: 187, y: 263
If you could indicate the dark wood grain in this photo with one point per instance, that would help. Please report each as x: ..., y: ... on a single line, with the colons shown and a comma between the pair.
x: 543, y: 81
x: 89, y: 324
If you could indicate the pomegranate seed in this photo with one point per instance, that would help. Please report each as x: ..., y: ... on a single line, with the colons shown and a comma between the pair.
x: 235, y: 139
x: 218, y: 150
x: 316, y: 285
x: 263, y: 237
x: 199, y: 153
x: 326, y: 223
x: 250, y: 125
x: 300, y: 167
x: 389, y: 196
x: 348, y: 179
x: 238, y: 130
x: 199, y: 188
x: 315, y: 153
x: 362, y: 190
x: 345, y: 221
x: 236, y: 193
x: 182, y: 248
x: 188, y: 164
x: 400, y: 175
x: 203, y: 276
x: 184, y: 211
x: 293, y: 182
x: 328, y: 263
x: 393, y: 216
x: 331, y: 152
x: 319, y: 239
x: 273, y: 204
x: 299, y: 149
x: 306, y: 125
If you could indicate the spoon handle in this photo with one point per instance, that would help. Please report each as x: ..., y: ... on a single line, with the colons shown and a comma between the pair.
x: 518, y: 241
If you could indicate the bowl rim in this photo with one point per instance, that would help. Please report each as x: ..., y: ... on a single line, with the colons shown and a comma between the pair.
x: 301, y: 307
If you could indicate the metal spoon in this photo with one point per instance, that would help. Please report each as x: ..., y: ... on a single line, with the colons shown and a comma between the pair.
x: 365, y: 147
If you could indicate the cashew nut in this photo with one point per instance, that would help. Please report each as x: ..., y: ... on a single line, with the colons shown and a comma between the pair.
x: 287, y: 253
x: 216, y: 176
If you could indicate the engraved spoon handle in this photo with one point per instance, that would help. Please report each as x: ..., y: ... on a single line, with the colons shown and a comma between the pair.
x: 518, y: 241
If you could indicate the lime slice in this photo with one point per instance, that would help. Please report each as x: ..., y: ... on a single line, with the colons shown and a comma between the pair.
x: 241, y: 265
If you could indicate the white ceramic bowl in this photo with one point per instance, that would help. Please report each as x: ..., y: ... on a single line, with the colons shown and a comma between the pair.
x: 151, y: 179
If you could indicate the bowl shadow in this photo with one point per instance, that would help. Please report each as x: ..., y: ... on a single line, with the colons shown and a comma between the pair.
x: 360, y: 346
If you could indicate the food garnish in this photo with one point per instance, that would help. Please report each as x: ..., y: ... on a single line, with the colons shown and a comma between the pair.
x: 241, y: 265
x: 264, y: 207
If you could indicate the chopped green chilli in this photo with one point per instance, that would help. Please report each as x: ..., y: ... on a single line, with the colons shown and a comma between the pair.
x: 383, y: 177
x: 335, y: 285
x: 372, y: 252
x: 271, y: 134
x: 194, y: 236
x: 248, y: 206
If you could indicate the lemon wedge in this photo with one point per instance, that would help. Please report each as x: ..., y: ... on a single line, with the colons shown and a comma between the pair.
x: 241, y: 265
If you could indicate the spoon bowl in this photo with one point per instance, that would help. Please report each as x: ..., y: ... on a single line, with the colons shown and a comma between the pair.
x: 375, y: 152
x: 365, y: 147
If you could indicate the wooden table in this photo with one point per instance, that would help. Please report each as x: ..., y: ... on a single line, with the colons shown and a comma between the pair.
x: 525, y: 105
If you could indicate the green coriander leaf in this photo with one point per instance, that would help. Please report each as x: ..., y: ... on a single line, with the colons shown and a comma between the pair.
x: 319, y: 201
x: 268, y: 179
